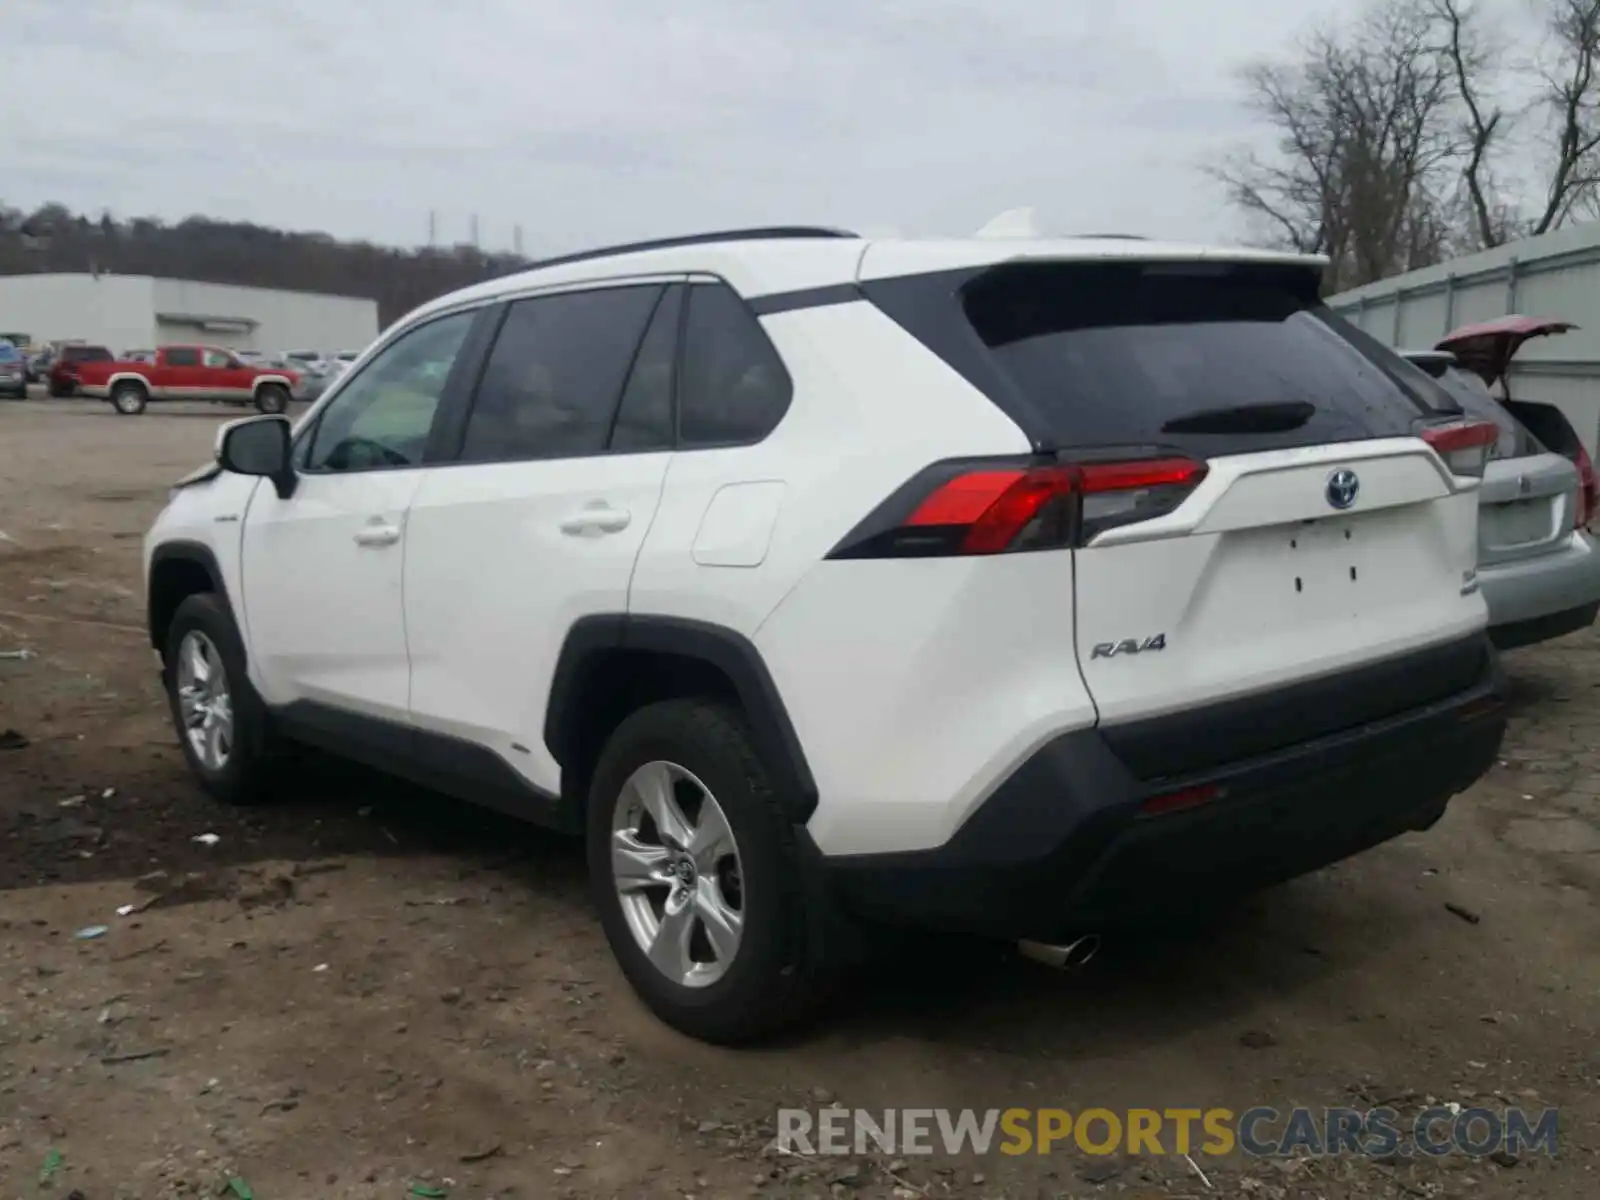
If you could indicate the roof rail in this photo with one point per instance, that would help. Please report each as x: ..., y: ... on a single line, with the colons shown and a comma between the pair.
x: 771, y: 233
x: 1124, y: 237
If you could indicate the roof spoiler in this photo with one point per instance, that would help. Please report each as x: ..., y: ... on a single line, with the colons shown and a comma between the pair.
x: 1487, y: 348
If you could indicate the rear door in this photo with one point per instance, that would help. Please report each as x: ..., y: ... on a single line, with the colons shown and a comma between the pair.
x: 538, y: 520
x: 1527, y: 506
x: 178, y: 374
x: 1315, y: 530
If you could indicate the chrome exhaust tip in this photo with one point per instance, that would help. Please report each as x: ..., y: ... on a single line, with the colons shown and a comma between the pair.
x: 1068, y: 956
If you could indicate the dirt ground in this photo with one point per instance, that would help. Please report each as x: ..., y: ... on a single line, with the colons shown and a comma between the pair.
x: 366, y: 989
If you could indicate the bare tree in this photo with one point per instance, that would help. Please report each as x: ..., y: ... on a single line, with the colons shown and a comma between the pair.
x: 1572, y: 97
x: 1394, y: 140
x: 1484, y: 124
x: 1366, y: 133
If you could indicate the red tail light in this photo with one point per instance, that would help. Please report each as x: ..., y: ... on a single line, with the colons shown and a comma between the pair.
x: 1464, y: 446
x: 1588, y: 490
x: 994, y: 508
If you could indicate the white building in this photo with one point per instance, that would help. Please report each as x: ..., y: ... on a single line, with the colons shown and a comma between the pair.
x: 131, y: 312
x: 1556, y: 275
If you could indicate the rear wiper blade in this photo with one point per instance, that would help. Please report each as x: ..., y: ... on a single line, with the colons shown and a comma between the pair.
x: 1244, y: 418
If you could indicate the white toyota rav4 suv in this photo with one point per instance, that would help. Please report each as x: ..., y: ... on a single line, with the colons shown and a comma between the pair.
x: 1020, y: 588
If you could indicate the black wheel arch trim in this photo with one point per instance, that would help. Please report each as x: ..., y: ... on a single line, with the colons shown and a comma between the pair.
x: 715, y: 645
x: 195, y: 553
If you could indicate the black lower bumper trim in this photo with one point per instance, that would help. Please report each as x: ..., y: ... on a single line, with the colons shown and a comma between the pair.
x: 1242, y: 728
x: 1065, y: 845
x: 1541, y: 629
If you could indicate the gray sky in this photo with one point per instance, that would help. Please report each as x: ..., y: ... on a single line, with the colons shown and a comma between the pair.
x: 601, y: 120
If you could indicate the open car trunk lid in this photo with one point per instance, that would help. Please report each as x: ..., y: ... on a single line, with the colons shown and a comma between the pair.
x: 1487, y: 347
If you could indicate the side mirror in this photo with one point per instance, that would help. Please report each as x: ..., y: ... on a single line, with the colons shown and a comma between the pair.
x: 258, y: 446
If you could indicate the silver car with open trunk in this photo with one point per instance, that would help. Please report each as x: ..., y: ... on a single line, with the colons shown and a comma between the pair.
x: 1538, y: 566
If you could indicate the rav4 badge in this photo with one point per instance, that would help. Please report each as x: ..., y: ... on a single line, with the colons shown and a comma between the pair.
x: 1129, y: 646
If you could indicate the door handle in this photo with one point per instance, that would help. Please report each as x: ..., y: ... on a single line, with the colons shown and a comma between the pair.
x: 378, y: 534
x: 597, y: 519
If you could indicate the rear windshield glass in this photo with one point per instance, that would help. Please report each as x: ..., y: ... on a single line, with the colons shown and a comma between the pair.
x: 1213, y: 358
x: 1475, y: 399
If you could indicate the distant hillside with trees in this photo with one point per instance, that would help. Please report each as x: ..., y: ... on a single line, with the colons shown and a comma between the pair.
x: 53, y: 238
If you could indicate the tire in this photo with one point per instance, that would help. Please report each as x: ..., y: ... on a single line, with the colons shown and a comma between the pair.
x: 244, y: 775
x: 775, y: 976
x: 272, y: 398
x: 60, y: 391
x: 129, y: 398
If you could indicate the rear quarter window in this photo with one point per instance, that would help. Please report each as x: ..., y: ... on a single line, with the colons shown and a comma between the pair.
x: 733, y: 389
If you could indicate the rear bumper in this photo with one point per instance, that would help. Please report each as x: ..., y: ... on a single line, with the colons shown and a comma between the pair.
x: 1064, y: 846
x: 1545, y: 596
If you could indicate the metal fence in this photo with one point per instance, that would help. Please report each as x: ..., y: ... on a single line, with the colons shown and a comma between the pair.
x: 1557, y: 275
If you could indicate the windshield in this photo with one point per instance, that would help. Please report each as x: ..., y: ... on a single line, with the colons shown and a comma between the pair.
x: 85, y: 354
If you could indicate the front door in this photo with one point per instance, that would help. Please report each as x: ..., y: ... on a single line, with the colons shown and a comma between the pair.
x: 225, y: 377
x: 323, y: 569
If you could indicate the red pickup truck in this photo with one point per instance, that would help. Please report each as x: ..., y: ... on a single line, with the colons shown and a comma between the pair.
x: 186, y: 373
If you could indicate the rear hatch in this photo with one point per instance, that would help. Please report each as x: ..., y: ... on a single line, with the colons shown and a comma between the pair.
x: 1529, y: 498
x: 1487, y: 348
x: 1313, y: 530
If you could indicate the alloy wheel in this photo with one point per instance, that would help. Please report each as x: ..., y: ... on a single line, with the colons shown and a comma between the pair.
x: 675, y: 866
x: 204, y: 700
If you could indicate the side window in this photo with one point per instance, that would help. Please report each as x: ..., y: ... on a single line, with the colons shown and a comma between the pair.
x: 553, y: 379
x: 183, y: 356
x: 733, y: 386
x: 644, y: 417
x: 381, y: 417
x: 218, y: 358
